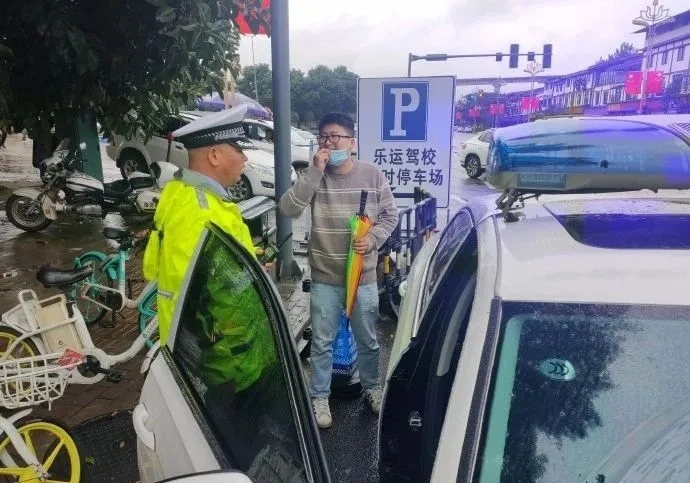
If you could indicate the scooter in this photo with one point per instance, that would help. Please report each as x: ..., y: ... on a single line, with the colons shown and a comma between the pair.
x: 67, y: 190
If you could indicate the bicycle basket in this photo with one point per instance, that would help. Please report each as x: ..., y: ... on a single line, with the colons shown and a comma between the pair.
x: 30, y: 381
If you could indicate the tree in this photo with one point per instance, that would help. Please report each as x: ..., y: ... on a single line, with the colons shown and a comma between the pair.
x: 264, y: 81
x: 625, y: 50
x: 130, y: 62
x: 319, y: 91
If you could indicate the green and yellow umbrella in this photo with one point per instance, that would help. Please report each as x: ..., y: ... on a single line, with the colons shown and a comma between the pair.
x: 360, y: 224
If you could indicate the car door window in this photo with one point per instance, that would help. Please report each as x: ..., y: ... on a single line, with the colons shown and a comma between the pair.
x: 451, y: 239
x: 421, y: 382
x: 228, y: 350
x: 481, y: 137
x: 447, y: 325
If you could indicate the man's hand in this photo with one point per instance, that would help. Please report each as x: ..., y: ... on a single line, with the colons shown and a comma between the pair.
x: 363, y: 245
x: 321, y: 158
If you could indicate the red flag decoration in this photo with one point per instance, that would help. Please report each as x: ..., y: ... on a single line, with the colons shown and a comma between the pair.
x: 253, y: 17
x: 496, y: 109
x: 474, y: 112
x: 529, y: 104
x: 458, y: 115
x: 633, y: 82
x: 655, y: 82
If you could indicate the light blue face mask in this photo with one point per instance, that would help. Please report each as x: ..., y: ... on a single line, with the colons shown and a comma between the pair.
x: 338, y: 157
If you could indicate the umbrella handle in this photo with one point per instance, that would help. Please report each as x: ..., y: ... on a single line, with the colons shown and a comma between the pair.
x: 363, y: 201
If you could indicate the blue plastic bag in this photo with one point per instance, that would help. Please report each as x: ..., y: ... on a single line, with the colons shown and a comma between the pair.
x: 344, y: 350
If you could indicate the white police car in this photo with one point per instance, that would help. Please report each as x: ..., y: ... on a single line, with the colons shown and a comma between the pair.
x: 547, y: 341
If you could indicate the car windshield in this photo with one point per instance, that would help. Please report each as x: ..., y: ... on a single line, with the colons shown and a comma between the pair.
x: 572, y: 397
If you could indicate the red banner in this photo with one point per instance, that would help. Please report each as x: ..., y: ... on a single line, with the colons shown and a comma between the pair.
x: 528, y: 104
x: 253, y: 17
x: 655, y: 82
x: 633, y: 82
x: 496, y: 109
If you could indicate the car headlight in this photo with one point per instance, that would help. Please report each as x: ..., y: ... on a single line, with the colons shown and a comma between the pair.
x: 260, y: 168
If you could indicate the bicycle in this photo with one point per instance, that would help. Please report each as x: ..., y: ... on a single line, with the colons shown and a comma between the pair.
x: 27, y: 382
x: 55, y: 324
x: 110, y: 270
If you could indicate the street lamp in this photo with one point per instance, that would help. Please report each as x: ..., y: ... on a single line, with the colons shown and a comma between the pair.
x: 533, y: 68
x: 650, y: 18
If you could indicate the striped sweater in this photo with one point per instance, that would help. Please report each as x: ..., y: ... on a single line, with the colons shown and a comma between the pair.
x: 334, y: 198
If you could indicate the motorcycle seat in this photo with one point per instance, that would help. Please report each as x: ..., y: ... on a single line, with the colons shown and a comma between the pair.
x: 112, y: 233
x: 61, y: 277
x: 117, y: 189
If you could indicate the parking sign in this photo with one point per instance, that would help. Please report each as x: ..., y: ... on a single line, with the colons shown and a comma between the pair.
x: 405, y: 127
x: 405, y: 110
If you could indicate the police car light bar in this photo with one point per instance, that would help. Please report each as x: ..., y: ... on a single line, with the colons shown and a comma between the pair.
x: 588, y: 155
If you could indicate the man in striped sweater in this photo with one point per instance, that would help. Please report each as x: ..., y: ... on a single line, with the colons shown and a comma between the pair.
x: 331, y: 187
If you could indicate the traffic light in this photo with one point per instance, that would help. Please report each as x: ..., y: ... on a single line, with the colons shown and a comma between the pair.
x: 514, y: 52
x: 499, y: 56
x: 546, y: 60
x: 530, y: 56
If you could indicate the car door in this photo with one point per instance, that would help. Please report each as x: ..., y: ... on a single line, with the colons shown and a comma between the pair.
x: 483, y: 146
x: 418, y: 388
x: 157, y: 146
x: 258, y: 134
x: 228, y: 392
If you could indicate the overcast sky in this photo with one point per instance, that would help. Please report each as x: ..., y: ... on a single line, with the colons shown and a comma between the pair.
x: 373, y: 37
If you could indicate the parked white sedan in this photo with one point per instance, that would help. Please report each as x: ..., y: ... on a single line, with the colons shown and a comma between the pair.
x: 474, y: 152
x: 258, y: 178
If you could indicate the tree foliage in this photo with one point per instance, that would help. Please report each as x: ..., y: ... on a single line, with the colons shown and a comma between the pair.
x: 318, y: 91
x: 625, y: 50
x: 128, y: 61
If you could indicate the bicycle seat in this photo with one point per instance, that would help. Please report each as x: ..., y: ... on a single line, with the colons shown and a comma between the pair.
x: 112, y: 233
x: 60, y: 277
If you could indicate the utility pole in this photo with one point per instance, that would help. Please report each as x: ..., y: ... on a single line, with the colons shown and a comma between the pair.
x: 650, y: 18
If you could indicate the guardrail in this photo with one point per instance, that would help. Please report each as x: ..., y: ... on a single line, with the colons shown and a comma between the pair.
x: 415, y: 226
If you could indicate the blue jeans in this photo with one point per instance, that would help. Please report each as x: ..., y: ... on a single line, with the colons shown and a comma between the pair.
x: 327, y: 304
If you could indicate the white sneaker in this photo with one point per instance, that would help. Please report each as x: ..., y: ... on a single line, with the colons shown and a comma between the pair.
x: 373, y: 399
x: 322, y: 412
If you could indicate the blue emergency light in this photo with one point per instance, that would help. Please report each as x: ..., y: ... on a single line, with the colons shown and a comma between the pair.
x: 588, y: 155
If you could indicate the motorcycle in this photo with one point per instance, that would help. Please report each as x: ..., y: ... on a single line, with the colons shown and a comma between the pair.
x: 67, y: 190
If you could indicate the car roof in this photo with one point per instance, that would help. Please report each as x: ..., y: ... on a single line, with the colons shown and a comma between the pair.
x: 678, y: 123
x: 616, y: 248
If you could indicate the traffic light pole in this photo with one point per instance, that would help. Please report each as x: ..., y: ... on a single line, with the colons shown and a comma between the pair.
x: 498, y: 55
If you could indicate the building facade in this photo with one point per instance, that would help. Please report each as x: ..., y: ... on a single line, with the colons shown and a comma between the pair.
x: 600, y: 89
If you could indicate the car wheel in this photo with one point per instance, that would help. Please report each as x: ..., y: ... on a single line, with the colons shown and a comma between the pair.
x: 240, y: 191
x: 473, y: 166
x: 131, y: 161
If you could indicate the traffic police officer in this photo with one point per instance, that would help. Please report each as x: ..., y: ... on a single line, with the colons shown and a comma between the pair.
x: 194, y: 197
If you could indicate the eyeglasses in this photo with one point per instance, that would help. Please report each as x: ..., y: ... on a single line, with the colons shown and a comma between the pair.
x: 335, y: 138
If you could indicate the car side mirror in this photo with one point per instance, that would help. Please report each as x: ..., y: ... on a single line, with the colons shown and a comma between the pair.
x: 214, y: 477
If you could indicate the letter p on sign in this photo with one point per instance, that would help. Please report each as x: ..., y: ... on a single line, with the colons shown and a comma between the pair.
x: 405, y: 109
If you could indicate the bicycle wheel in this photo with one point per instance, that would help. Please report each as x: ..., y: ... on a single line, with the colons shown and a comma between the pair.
x: 54, y: 447
x: 25, y: 348
x: 91, y: 312
x: 147, y: 311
